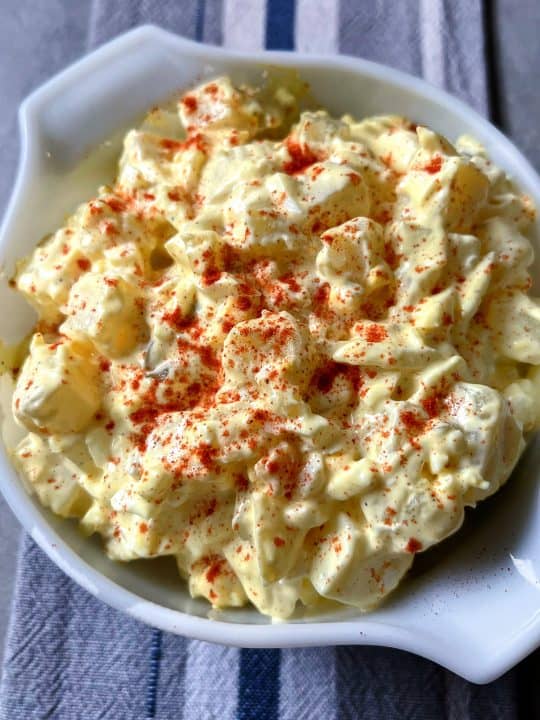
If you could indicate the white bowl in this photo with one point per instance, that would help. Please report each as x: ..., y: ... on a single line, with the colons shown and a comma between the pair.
x: 474, y: 604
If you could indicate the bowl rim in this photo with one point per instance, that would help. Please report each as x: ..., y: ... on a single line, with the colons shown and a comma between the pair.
x: 473, y: 664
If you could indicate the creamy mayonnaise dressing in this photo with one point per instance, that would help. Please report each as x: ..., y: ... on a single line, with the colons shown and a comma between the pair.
x: 285, y: 349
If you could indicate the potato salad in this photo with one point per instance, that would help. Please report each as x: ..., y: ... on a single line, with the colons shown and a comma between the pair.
x: 286, y: 349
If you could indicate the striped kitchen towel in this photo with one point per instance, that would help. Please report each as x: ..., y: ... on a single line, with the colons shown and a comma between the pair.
x: 69, y: 656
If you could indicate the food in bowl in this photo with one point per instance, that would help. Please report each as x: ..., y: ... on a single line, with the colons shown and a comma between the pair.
x: 286, y: 350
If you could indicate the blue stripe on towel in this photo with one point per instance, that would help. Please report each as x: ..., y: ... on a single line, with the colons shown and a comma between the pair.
x: 258, y: 685
x: 258, y: 682
x: 280, y: 24
x: 199, y: 21
x: 153, y: 675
